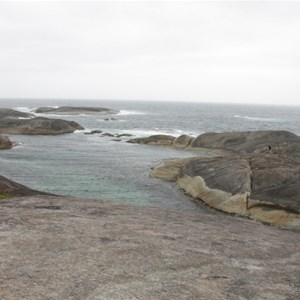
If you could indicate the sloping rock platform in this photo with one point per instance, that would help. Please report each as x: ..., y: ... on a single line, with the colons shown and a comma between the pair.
x: 66, y: 248
x: 261, y: 186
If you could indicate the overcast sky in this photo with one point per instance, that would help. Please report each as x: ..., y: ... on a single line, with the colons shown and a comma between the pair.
x: 214, y: 51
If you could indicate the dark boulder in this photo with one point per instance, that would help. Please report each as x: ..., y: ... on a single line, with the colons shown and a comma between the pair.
x: 9, y: 188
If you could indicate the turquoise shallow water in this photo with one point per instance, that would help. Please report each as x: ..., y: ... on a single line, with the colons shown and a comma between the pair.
x: 97, y: 167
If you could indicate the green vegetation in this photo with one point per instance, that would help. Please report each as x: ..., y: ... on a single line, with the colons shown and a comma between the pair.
x: 4, y: 196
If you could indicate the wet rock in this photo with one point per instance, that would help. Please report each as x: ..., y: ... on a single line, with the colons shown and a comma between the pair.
x: 5, y: 142
x: 97, y: 131
x: 159, y: 140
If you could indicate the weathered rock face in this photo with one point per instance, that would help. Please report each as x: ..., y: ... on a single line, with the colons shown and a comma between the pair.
x: 66, y: 248
x: 14, y: 114
x: 281, y: 142
x: 37, y: 126
x: 75, y: 110
x: 13, y: 189
x: 263, y: 187
x: 5, y: 142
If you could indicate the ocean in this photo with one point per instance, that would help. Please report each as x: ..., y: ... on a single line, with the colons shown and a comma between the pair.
x: 92, y: 166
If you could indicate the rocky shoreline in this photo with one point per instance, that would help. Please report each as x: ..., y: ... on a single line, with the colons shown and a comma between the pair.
x: 55, y: 247
x: 257, y: 174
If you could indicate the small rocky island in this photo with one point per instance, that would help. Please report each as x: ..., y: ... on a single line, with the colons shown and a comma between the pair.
x: 76, y: 110
x: 15, y: 122
x: 256, y: 174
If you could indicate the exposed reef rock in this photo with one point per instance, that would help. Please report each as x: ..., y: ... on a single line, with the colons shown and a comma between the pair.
x: 263, y: 187
x: 14, y: 122
x: 66, y: 248
x: 159, y: 139
x: 76, y: 110
x: 10, y: 188
x: 5, y: 142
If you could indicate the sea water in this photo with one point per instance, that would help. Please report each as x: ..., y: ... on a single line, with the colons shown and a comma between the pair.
x: 98, y: 167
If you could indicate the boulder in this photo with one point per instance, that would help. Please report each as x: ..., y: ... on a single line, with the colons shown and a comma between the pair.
x: 76, y: 110
x: 9, y: 188
x: 262, y: 187
x: 277, y: 142
x: 5, y: 142
x: 182, y: 141
x: 36, y: 126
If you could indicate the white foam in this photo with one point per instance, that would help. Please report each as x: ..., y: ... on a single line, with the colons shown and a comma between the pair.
x: 130, y: 112
x: 25, y: 109
x: 256, y: 118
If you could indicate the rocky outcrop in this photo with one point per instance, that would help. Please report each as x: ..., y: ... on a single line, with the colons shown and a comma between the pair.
x: 5, y: 142
x: 282, y: 143
x: 14, y: 114
x: 159, y: 139
x: 276, y: 142
x: 36, y: 126
x: 181, y: 142
x: 66, y: 248
x: 263, y: 187
x: 76, y: 110
x: 9, y: 188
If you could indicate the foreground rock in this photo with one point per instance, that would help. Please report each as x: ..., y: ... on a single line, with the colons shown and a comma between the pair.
x: 37, y: 126
x: 5, y: 142
x: 9, y: 188
x: 263, y: 187
x: 65, y: 248
x: 76, y: 110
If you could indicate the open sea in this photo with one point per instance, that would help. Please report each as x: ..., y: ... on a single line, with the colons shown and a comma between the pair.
x: 92, y: 166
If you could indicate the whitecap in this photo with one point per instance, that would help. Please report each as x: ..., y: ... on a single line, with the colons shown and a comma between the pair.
x: 256, y: 118
x: 130, y: 112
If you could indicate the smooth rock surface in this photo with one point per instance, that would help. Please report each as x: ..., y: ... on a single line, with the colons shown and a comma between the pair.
x: 75, y: 110
x: 263, y: 187
x: 281, y: 142
x: 66, y: 248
